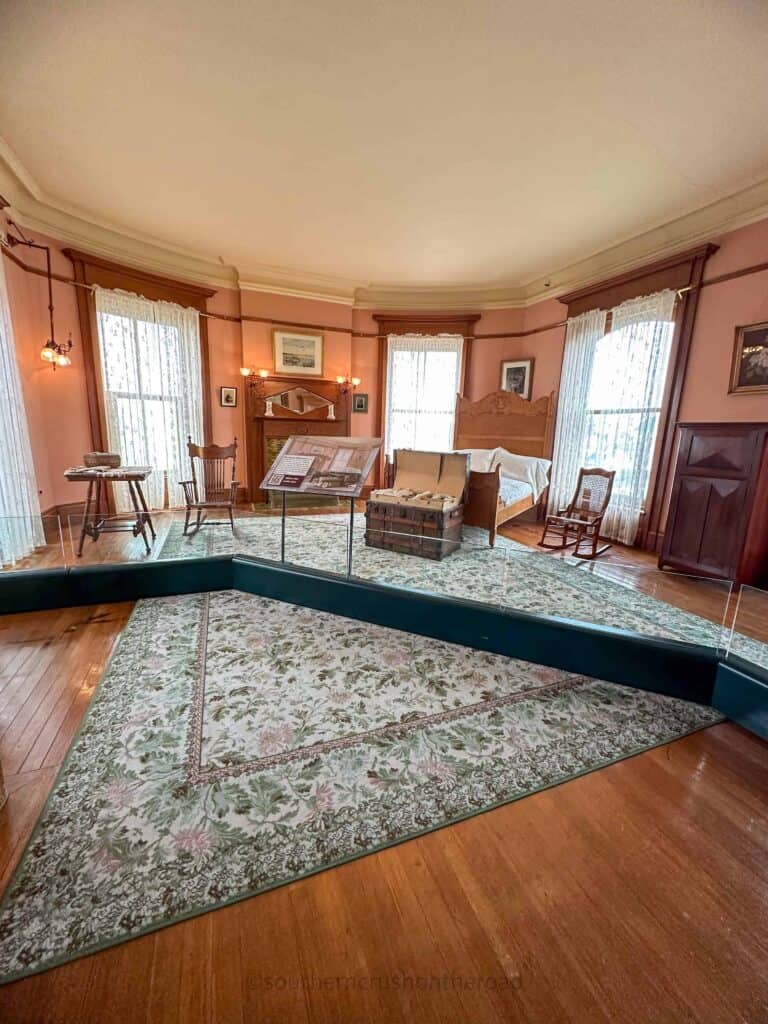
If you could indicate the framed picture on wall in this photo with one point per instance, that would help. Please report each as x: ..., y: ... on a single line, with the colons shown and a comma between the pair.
x: 298, y: 353
x: 228, y: 397
x: 360, y: 403
x: 516, y: 376
x: 749, y: 370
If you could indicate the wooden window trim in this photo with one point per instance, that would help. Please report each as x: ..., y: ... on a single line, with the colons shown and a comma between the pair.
x: 93, y: 270
x: 683, y: 271
x: 419, y: 323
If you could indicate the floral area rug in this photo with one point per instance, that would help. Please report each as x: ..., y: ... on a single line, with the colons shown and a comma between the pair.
x: 237, y: 743
x: 510, y: 575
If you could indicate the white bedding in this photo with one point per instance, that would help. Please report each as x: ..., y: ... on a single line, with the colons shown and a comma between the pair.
x: 523, y: 469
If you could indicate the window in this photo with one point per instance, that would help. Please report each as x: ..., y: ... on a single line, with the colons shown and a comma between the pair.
x: 612, y: 388
x: 151, y: 377
x: 423, y: 379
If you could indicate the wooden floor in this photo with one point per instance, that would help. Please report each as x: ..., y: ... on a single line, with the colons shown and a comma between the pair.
x: 636, y: 894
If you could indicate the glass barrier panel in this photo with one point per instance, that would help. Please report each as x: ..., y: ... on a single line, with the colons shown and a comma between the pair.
x: 31, y: 543
x: 109, y: 538
x: 749, y: 635
x: 396, y: 554
x: 315, y: 542
x: 623, y: 595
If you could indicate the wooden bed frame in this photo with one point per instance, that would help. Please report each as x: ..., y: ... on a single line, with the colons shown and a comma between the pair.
x: 501, y: 419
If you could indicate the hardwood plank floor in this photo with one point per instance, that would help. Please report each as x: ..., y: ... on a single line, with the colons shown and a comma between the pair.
x: 637, y: 893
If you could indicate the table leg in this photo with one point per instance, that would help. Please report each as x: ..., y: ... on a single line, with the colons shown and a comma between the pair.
x: 86, y: 513
x: 142, y: 529
x: 146, y: 510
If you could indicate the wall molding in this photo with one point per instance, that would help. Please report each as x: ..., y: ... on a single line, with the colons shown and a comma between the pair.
x: 39, y: 211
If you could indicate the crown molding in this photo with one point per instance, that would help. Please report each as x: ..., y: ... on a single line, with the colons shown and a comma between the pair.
x: 446, y: 297
x: 703, y: 225
x: 300, y: 284
x: 38, y: 211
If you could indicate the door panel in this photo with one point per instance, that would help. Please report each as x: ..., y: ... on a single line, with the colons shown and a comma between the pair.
x: 690, y: 520
x: 724, y: 529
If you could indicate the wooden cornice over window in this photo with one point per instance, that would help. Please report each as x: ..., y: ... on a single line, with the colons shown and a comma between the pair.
x: 93, y: 270
x: 674, y: 272
x: 427, y: 323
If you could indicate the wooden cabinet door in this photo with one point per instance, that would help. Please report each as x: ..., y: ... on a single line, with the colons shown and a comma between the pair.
x: 711, y: 497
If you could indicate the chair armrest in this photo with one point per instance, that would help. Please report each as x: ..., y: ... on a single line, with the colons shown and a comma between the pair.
x: 233, y: 491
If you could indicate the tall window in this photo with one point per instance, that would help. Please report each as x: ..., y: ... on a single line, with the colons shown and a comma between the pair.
x: 153, y: 400
x: 20, y: 524
x: 611, y: 391
x: 423, y: 379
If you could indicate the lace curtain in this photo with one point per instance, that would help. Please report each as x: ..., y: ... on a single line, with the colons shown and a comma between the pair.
x: 21, y: 529
x: 423, y: 379
x: 611, y: 395
x: 581, y: 337
x: 151, y: 373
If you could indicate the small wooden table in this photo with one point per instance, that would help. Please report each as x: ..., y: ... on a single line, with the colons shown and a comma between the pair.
x: 97, y: 477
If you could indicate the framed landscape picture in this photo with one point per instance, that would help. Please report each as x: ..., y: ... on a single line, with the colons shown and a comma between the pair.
x: 516, y: 376
x: 298, y: 353
x: 749, y: 371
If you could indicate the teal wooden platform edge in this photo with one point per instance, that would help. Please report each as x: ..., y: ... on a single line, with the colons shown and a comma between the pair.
x: 741, y: 693
x: 675, y: 668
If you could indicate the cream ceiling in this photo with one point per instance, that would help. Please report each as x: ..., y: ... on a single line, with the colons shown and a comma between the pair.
x: 328, y: 146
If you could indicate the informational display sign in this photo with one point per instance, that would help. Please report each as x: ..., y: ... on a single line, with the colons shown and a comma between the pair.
x: 323, y: 465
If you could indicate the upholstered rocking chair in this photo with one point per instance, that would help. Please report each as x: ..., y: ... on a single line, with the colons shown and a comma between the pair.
x: 579, y: 524
x: 209, y: 487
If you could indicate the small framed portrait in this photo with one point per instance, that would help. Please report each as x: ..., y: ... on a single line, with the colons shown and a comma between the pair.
x: 228, y: 397
x: 360, y: 403
x: 517, y: 376
x: 749, y: 370
x: 298, y: 353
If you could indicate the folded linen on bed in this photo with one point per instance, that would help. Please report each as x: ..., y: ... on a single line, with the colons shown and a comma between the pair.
x: 525, y: 468
x: 479, y: 458
x: 529, y: 470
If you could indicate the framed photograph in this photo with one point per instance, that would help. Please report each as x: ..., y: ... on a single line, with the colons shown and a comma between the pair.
x: 516, y: 376
x: 228, y: 397
x: 749, y: 370
x: 360, y: 403
x: 298, y: 353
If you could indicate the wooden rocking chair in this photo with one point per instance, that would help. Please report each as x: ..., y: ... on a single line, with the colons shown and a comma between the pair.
x: 579, y: 524
x: 210, y: 489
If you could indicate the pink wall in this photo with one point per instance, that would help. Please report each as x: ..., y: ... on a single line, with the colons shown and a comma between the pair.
x: 225, y: 356
x: 723, y: 307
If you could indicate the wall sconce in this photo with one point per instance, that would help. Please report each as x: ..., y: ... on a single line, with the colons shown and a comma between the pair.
x: 347, y: 384
x: 53, y: 352
x: 252, y: 374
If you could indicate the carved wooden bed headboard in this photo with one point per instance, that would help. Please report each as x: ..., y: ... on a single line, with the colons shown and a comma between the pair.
x: 504, y: 419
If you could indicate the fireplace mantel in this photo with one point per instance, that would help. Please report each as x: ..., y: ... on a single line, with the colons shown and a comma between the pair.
x: 264, y: 433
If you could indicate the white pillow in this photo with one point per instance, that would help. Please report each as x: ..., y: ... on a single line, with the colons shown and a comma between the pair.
x: 480, y: 459
x: 532, y: 471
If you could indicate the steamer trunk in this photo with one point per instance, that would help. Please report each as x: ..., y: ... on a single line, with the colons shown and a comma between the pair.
x: 421, y: 525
